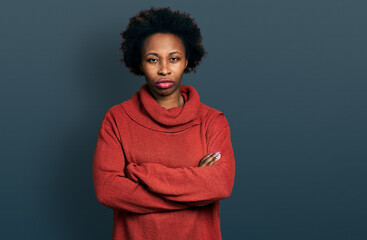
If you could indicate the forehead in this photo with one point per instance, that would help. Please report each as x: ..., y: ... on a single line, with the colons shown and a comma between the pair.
x: 163, y: 43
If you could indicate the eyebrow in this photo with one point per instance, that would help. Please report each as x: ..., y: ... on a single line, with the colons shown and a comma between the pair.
x: 156, y: 54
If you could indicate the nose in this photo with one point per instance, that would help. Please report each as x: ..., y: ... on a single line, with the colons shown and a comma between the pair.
x: 164, y: 69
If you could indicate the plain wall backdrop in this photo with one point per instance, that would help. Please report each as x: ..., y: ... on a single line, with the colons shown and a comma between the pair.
x: 289, y: 75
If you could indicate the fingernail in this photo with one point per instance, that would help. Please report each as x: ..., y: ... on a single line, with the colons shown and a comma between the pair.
x: 217, y: 153
x: 218, y: 156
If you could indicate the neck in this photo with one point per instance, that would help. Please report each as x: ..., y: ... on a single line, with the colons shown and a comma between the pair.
x: 170, y: 101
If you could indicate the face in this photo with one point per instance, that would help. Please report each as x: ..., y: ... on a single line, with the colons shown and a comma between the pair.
x: 163, y: 63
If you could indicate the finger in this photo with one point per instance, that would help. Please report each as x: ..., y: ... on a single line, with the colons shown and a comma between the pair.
x: 205, y: 161
x: 205, y: 158
x: 211, y: 163
x: 214, y: 160
x: 209, y: 159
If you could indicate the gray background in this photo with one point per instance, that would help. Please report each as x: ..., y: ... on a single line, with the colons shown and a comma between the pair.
x: 290, y: 77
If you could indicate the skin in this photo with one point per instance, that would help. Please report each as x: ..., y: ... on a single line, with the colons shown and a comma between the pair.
x: 209, y: 160
x: 163, y: 57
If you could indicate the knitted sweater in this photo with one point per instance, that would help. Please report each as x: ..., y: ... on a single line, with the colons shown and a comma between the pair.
x: 145, y: 168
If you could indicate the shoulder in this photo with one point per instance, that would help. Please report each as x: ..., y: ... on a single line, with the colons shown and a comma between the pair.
x: 116, y: 109
x: 214, y: 120
x: 113, y: 114
x: 119, y: 111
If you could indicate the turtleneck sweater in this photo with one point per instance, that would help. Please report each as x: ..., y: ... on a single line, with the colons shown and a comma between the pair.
x: 145, y: 168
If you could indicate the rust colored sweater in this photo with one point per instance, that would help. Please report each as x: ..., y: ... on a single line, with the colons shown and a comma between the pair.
x: 145, y: 168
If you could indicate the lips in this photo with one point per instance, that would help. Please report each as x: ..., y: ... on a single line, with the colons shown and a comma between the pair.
x: 164, y: 83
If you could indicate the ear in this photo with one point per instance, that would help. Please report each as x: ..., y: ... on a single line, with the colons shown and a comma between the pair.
x: 187, y: 62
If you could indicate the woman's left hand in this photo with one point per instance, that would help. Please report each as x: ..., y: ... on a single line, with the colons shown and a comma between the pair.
x: 209, y: 159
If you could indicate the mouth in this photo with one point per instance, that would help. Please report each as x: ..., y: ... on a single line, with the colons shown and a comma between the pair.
x: 164, y: 83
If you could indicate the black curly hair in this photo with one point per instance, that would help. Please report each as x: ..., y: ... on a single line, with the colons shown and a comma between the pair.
x: 161, y: 20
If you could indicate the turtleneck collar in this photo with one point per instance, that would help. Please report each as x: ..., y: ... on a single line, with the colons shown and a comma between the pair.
x: 145, y: 110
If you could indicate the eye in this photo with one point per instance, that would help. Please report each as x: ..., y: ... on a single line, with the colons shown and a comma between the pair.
x: 152, y: 60
x: 175, y: 59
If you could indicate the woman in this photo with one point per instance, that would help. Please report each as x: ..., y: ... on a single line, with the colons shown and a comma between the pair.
x: 163, y: 159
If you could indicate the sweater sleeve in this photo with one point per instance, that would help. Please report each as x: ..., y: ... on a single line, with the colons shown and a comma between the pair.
x: 195, y: 186
x: 111, y: 186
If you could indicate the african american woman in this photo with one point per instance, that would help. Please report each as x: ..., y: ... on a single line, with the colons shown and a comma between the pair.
x: 163, y: 159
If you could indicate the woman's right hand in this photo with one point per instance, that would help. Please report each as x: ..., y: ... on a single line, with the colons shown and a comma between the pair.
x: 209, y: 159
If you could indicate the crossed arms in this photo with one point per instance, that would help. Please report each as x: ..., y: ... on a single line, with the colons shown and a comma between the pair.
x: 153, y: 187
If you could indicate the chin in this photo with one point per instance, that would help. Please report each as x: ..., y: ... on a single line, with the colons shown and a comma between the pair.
x: 165, y: 92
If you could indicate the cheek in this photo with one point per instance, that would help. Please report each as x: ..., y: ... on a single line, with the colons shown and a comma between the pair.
x: 181, y: 67
x: 147, y: 69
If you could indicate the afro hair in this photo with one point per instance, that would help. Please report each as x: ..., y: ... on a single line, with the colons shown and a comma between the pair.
x: 161, y: 20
